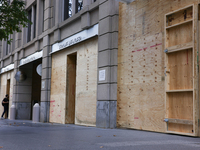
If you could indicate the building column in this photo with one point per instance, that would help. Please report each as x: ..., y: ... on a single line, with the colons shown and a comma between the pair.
x: 47, y: 15
x: 107, y: 64
x: 39, y: 17
x: 46, y: 81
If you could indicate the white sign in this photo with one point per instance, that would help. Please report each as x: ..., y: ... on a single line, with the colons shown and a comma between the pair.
x: 7, y: 68
x: 39, y: 69
x: 43, y: 84
x: 102, y: 75
x: 79, y: 37
x: 31, y: 58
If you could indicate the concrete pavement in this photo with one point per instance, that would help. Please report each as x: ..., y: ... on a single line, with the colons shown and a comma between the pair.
x: 25, y: 135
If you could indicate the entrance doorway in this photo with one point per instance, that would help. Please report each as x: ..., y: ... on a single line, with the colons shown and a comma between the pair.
x: 36, y: 85
x: 7, y: 92
x: 71, y: 88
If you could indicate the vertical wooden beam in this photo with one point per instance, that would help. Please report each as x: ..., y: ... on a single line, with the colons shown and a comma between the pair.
x: 195, y: 67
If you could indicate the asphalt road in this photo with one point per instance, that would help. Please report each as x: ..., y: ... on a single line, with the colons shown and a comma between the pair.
x: 25, y: 135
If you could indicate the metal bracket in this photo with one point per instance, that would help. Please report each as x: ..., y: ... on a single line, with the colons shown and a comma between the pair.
x: 166, y: 120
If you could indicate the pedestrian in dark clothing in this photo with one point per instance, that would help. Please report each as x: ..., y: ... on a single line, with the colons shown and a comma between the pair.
x: 5, y: 104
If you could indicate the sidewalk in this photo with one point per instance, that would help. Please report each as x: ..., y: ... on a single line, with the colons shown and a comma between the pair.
x: 26, y: 135
x: 26, y: 123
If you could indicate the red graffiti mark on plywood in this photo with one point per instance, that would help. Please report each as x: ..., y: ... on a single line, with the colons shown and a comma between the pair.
x: 155, y: 45
x: 147, y: 47
x: 54, y: 105
x: 59, y: 115
x: 136, y: 118
x: 52, y: 101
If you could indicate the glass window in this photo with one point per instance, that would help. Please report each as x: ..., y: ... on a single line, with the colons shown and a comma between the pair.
x: 29, y: 25
x: 67, y: 9
x: 79, y: 5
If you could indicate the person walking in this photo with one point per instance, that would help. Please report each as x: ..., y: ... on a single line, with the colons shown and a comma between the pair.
x: 5, y: 104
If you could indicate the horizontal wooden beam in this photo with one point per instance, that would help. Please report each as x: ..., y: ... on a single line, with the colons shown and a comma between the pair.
x: 179, y: 121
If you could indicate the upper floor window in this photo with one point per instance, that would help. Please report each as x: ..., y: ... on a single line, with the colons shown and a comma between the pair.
x: 67, y: 9
x: 71, y: 7
x: 79, y: 5
x: 29, y: 25
x: 31, y: 29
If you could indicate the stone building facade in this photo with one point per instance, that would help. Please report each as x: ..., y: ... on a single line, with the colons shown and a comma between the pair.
x: 68, y: 58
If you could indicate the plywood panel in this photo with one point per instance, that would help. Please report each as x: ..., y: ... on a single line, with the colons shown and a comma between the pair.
x: 179, y: 17
x: 86, y: 84
x: 140, y: 85
x: 58, y: 88
x: 179, y: 34
x: 180, y: 67
x: 184, y: 128
x: 180, y: 105
x: 141, y: 61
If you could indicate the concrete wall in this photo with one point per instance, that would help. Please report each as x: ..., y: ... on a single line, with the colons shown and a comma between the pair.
x: 51, y: 28
x: 107, y: 60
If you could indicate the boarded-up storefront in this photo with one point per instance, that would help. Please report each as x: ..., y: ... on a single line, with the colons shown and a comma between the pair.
x: 6, y: 80
x: 74, y: 84
x: 158, y: 66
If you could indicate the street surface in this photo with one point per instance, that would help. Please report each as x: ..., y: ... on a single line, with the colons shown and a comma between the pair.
x: 25, y: 135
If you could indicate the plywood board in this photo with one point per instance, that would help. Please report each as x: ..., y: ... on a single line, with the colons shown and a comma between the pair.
x: 183, y: 128
x: 180, y: 68
x: 180, y: 105
x: 86, y: 81
x: 86, y: 84
x: 180, y: 16
x: 141, y: 65
x: 179, y: 34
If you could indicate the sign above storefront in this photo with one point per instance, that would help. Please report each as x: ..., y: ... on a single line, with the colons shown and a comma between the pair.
x: 79, y: 37
x: 31, y: 58
x: 7, y: 68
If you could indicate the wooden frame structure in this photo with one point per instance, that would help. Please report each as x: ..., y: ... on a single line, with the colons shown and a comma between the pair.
x: 181, y: 71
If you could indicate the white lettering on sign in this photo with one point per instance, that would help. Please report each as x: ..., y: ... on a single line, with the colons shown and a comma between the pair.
x: 71, y: 42
x: 31, y: 58
x: 7, y: 68
x: 102, y: 75
x: 79, y: 37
